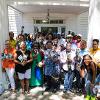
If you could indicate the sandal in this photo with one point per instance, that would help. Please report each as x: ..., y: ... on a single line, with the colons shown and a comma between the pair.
x: 13, y: 90
x: 27, y: 92
x: 23, y: 91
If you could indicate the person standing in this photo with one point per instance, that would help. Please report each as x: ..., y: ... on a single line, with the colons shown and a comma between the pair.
x: 36, y: 68
x: 8, y: 63
x: 49, y: 65
x: 69, y: 73
x: 23, y: 61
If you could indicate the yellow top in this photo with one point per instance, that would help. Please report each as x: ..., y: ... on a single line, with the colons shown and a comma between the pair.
x: 95, y: 56
x: 13, y: 43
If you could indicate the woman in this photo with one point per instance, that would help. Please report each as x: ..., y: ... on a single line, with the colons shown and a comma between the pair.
x: 23, y: 60
x: 88, y: 71
x: 36, y: 69
x: 95, y: 53
x: 8, y: 63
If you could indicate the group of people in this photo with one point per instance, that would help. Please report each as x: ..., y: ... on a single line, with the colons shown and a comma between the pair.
x: 52, y: 60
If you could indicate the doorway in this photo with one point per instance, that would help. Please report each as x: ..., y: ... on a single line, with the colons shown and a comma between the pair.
x: 46, y: 30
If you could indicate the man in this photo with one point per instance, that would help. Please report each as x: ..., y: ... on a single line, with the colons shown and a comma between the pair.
x: 68, y: 67
x: 83, y: 48
x: 80, y: 82
x: 95, y: 53
x: 48, y: 61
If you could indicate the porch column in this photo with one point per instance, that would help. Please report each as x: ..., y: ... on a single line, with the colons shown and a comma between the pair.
x: 94, y: 21
x: 3, y: 29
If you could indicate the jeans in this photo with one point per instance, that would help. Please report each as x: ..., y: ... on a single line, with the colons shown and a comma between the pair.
x: 88, y: 88
x: 97, y: 79
x: 68, y: 80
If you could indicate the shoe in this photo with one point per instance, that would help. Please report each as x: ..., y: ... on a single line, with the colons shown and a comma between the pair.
x: 69, y: 92
x: 54, y: 90
x: 93, y: 98
x: 64, y: 91
x: 84, y: 91
x: 13, y: 90
x: 27, y: 92
x: 23, y: 91
x: 88, y: 97
x: 47, y: 89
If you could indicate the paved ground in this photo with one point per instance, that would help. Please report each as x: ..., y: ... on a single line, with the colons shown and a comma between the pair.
x: 39, y: 94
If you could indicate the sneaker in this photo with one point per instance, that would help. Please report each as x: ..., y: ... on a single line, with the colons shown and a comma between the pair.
x: 22, y: 91
x: 47, y: 89
x: 93, y: 98
x: 54, y: 90
x: 69, y: 92
x: 87, y: 97
x: 13, y: 90
x: 64, y: 91
x: 84, y: 91
x: 27, y: 92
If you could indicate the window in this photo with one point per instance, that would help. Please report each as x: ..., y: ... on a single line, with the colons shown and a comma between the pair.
x: 48, y: 22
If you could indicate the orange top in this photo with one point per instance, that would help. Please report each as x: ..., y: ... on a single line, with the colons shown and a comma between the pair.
x: 8, y: 62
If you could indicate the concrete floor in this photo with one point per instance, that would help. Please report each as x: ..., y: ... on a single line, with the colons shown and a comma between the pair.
x: 39, y: 94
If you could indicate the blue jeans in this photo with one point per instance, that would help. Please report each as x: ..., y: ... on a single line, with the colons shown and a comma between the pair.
x: 88, y: 88
x: 68, y: 80
x: 97, y: 79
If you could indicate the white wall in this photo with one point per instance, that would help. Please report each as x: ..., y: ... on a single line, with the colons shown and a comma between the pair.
x: 71, y: 23
x: 28, y: 19
x: 3, y: 31
x: 77, y: 23
x: 82, y: 22
x: 28, y: 23
x: 15, y: 20
x: 94, y: 21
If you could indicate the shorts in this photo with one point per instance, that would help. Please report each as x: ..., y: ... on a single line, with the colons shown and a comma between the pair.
x: 26, y: 75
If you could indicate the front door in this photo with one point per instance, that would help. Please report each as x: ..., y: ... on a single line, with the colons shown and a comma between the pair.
x: 46, y: 30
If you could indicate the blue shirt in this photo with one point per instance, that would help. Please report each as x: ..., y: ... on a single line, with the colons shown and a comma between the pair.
x: 83, y: 52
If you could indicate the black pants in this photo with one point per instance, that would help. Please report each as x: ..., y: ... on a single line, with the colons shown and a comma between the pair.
x: 82, y: 83
x: 52, y: 82
x: 48, y: 81
x: 77, y: 82
x: 55, y: 82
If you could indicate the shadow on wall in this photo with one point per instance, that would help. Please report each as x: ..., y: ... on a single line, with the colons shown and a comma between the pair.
x: 98, y: 5
x: 92, y: 5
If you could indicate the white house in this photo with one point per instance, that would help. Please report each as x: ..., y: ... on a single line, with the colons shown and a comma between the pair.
x: 79, y: 16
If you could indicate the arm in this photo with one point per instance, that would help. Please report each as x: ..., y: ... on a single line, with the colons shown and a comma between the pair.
x: 16, y: 61
x: 93, y: 67
x: 31, y: 59
x: 82, y: 72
